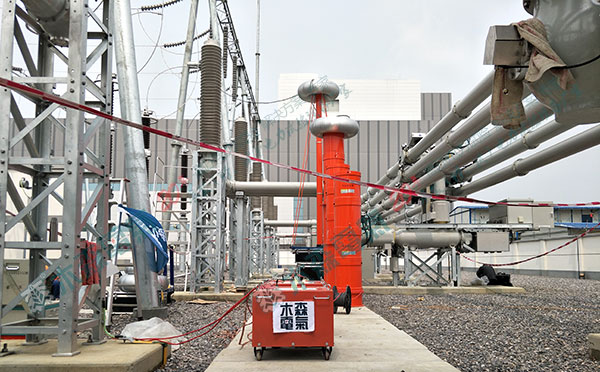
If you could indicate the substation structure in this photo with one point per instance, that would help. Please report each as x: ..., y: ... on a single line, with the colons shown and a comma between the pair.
x: 229, y: 233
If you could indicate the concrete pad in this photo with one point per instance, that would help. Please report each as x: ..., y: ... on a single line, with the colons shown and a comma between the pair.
x: 401, y: 290
x: 210, y: 296
x: 594, y: 343
x: 112, y: 356
x: 364, y: 341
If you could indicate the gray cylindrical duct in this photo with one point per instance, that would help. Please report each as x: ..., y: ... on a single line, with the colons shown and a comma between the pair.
x: 521, y: 167
x: 255, y: 176
x: 404, y: 214
x: 495, y: 137
x: 419, y: 239
x: 528, y: 141
x: 290, y: 223
x: 461, y: 110
x: 210, y: 93
x: 431, y: 239
x: 241, y: 147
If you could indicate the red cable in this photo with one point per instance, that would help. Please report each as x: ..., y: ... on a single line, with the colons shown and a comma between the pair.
x: 214, y: 323
x: 537, y: 256
x: 302, y: 176
x: 246, y: 310
x: 301, y: 189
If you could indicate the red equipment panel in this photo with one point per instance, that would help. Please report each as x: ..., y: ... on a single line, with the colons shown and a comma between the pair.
x: 286, y: 314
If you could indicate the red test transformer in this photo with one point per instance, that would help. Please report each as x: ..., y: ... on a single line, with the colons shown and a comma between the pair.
x: 292, y: 314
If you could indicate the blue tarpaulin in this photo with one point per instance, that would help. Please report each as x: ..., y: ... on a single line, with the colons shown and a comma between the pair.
x: 154, y: 232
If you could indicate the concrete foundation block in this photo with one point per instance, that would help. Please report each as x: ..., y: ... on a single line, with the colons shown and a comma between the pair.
x: 594, y: 344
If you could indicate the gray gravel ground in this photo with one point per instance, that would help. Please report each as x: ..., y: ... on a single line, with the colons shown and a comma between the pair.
x: 199, y: 353
x: 542, y: 330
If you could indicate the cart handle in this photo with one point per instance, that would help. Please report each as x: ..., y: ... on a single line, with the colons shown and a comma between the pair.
x: 321, y: 298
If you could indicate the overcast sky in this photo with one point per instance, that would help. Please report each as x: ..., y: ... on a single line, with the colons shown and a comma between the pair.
x: 438, y: 42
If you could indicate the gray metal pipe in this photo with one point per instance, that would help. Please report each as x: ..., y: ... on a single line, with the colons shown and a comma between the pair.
x: 381, y: 234
x: 290, y: 223
x: 431, y: 239
x: 298, y: 235
x: 452, y: 141
x: 404, y: 214
x: 529, y: 141
x: 418, y: 239
x: 289, y: 189
x: 495, y: 137
x: 133, y: 140
x: 536, y: 112
x: 461, y: 110
x: 389, y: 175
x: 521, y: 167
x: 129, y: 97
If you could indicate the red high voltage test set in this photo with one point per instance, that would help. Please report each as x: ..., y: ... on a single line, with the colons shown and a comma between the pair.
x: 300, y: 314
x: 338, y: 201
x: 292, y: 314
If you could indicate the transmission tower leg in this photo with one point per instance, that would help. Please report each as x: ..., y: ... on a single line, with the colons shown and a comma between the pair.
x: 208, y: 221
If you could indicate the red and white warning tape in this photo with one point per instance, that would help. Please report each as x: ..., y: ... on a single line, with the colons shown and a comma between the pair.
x: 27, y: 90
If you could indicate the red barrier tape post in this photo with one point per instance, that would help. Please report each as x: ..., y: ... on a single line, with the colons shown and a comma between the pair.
x: 27, y: 90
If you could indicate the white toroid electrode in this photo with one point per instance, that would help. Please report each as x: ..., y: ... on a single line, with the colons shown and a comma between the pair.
x: 334, y: 124
x: 309, y: 89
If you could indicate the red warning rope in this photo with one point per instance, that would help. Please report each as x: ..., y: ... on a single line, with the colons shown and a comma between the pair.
x: 536, y: 256
x: 27, y: 90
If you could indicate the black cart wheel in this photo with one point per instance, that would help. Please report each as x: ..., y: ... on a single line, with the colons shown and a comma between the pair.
x: 326, y: 352
x: 258, y: 352
x: 348, y: 300
x: 335, y: 309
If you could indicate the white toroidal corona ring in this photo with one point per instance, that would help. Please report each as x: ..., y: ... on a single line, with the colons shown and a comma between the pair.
x: 308, y: 89
x: 334, y: 124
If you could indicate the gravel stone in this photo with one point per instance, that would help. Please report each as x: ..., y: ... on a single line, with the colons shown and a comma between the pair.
x: 199, y: 353
x: 543, y: 330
